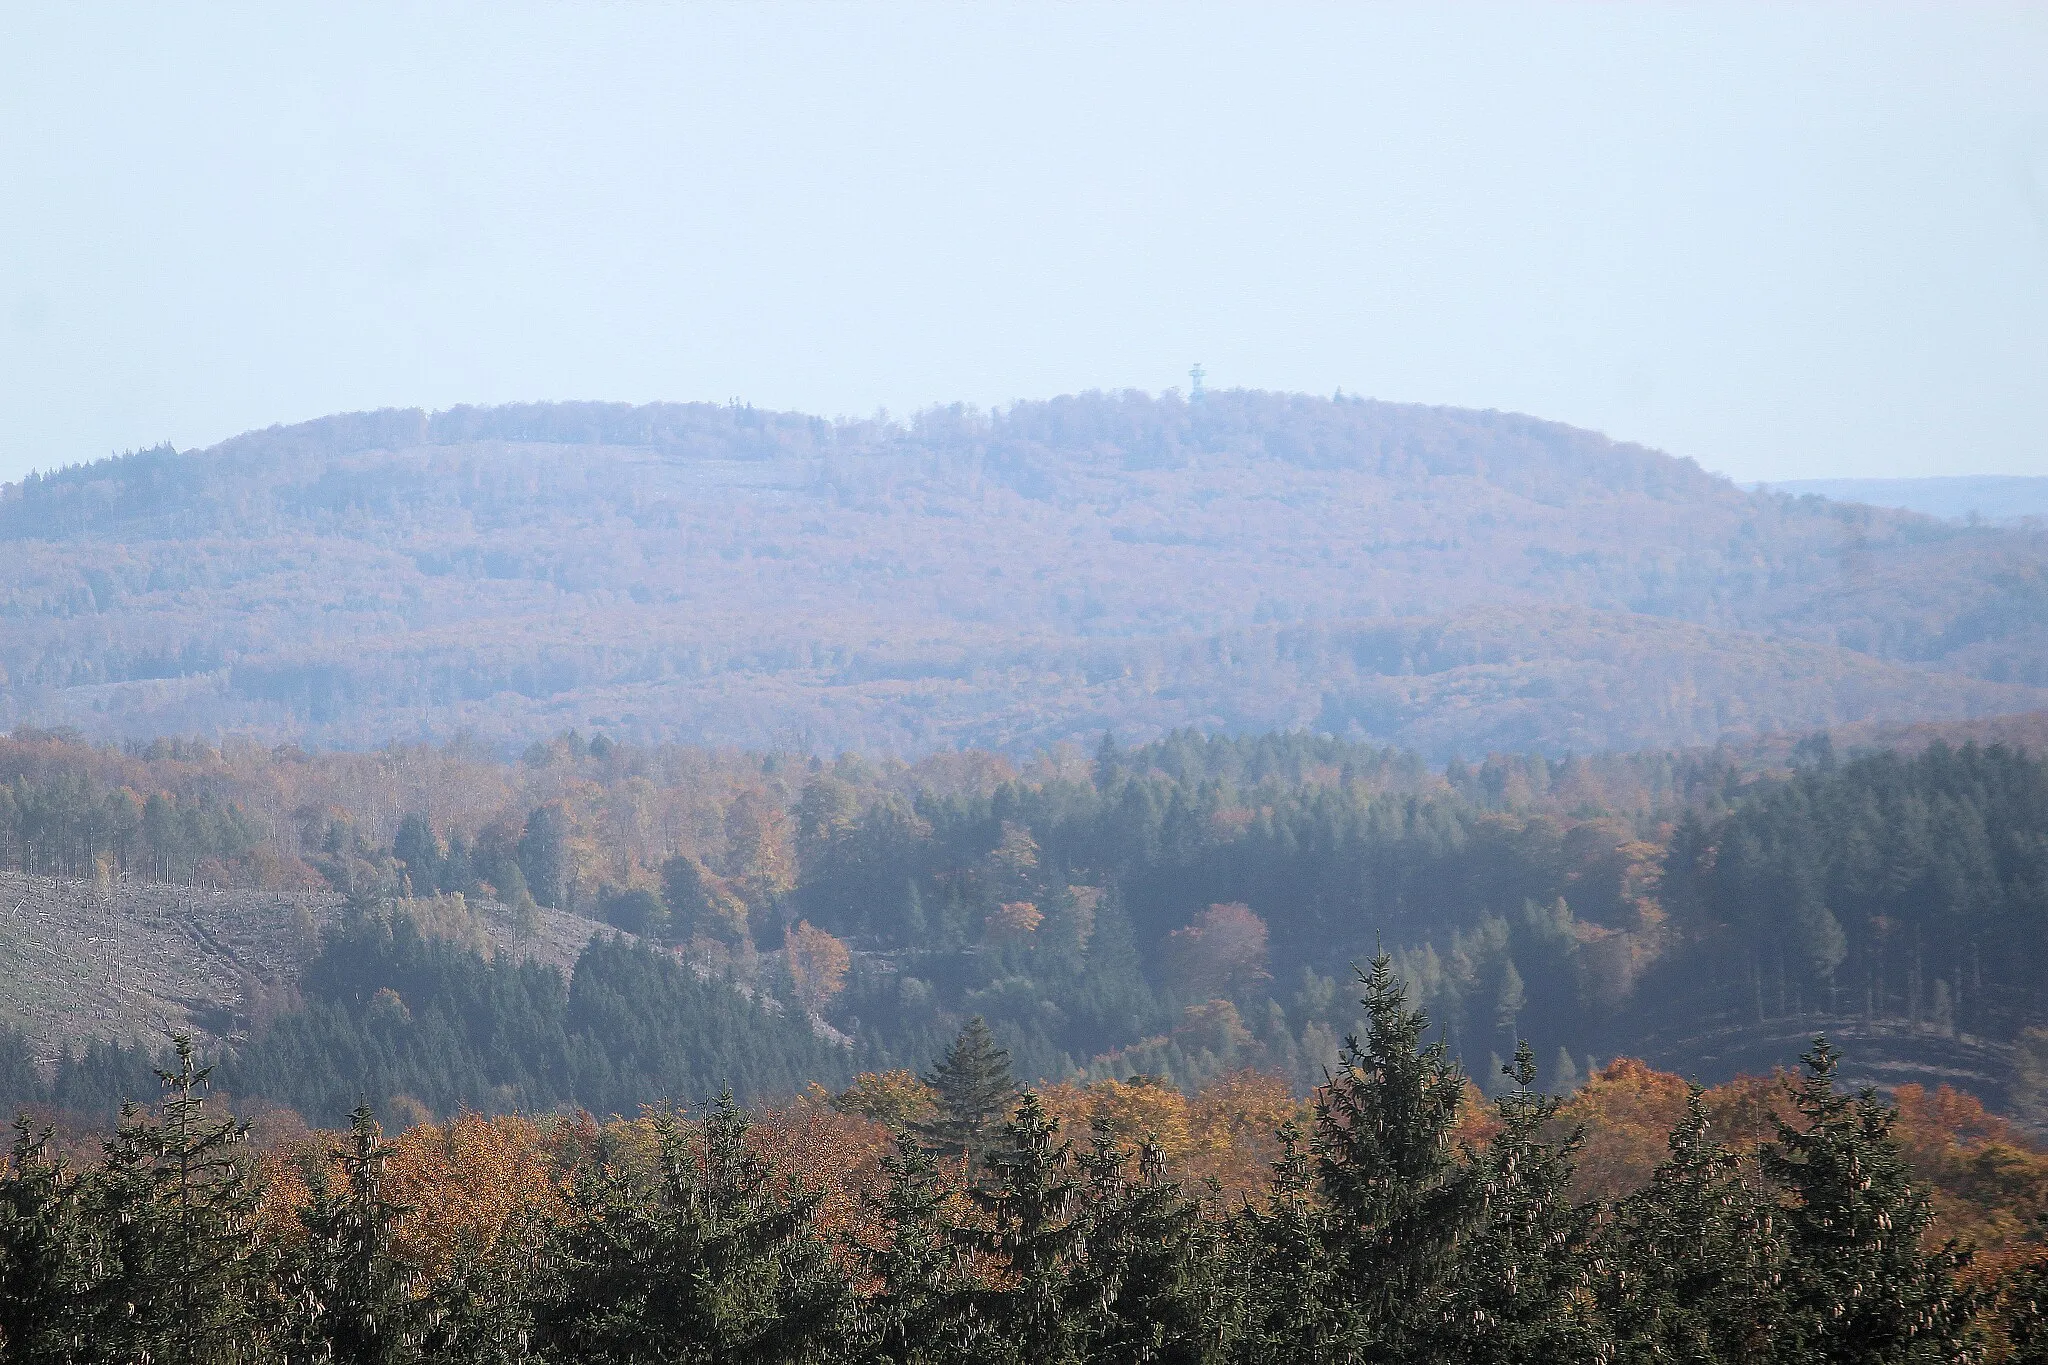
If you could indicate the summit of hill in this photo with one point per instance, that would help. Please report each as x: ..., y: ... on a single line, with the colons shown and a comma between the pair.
x: 1449, y: 580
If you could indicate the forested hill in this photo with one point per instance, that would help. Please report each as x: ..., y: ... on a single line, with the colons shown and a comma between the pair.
x: 1447, y: 580
x: 1179, y: 909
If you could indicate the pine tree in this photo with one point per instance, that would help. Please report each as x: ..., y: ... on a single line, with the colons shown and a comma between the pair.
x: 355, y: 1301
x: 1029, y: 1203
x: 188, y: 1279
x: 1109, y: 762
x: 1522, y: 1288
x: 922, y: 1313
x: 480, y: 1312
x: 1288, y: 1303
x: 1149, y: 1288
x: 1399, y: 1201
x: 415, y: 846
x: 45, y: 1256
x: 2023, y: 1312
x: 1861, y: 1290
x: 714, y: 1260
x: 1693, y: 1261
x: 974, y: 1088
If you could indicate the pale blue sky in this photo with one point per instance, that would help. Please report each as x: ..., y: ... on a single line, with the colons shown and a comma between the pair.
x: 1788, y: 241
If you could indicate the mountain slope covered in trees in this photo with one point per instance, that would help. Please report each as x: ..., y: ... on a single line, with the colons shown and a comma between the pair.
x: 1179, y: 909
x: 1447, y: 580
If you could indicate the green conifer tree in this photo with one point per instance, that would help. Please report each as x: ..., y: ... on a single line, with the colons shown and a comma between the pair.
x: 974, y: 1089
x: 1399, y: 1201
x: 1029, y: 1204
x: 1861, y: 1289
x: 355, y: 1303
x: 1521, y: 1293
x: 188, y: 1282
x: 1287, y: 1302
x: 713, y: 1260
x: 1109, y: 762
x: 2023, y: 1313
x: 1693, y: 1262
x: 46, y: 1256
x: 922, y: 1313
x: 1149, y: 1288
x: 480, y: 1311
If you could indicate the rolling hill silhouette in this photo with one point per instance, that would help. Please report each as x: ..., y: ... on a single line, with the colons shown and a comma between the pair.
x: 1447, y: 579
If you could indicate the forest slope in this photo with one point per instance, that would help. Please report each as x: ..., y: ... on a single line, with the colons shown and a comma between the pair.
x: 140, y: 959
x: 1448, y: 580
x: 1964, y: 497
x: 1181, y: 909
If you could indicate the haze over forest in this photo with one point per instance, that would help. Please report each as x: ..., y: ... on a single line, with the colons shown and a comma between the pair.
x: 1552, y: 869
x: 1450, y: 581
x: 497, y: 770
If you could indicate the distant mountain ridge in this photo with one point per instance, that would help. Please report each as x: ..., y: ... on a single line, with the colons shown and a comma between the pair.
x: 1449, y: 579
x: 1987, y: 497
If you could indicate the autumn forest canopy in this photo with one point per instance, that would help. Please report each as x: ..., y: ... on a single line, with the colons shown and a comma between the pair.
x: 954, y: 1218
x: 1112, y: 879
x: 1450, y: 581
x: 598, y: 925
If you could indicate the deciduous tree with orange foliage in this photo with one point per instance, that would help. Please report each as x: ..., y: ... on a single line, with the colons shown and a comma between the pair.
x: 817, y: 965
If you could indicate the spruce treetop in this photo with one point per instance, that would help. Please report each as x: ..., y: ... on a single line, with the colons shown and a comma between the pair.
x: 974, y: 1088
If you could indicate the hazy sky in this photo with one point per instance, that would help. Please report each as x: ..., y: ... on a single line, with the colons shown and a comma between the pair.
x: 1788, y: 241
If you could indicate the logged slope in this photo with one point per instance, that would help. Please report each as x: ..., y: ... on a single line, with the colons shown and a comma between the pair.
x: 136, y: 959
x: 1451, y: 579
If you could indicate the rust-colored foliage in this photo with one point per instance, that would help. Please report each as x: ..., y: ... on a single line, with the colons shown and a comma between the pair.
x: 1069, y: 1105
x: 824, y: 1148
x: 1477, y: 1121
x: 469, y: 1183
x: 1144, y: 1110
x: 1988, y: 1181
x: 1628, y: 1111
x: 1741, y: 1110
x: 817, y: 964
x: 1014, y: 921
x: 1225, y: 1132
x: 1233, y: 1124
x: 896, y: 1099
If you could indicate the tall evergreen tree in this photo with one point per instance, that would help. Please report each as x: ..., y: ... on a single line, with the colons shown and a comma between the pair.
x: 1109, y: 762
x: 1861, y: 1289
x: 923, y: 1311
x: 20, y: 1083
x: 2023, y: 1314
x: 1150, y: 1287
x: 1521, y: 1293
x: 713, y: 1260
x: 543, y: 854
x: 1288, y: 1301
x: 188, y: 1282
x: 481, y: 1310
x: 1399, y: 1201
x: 1031, y: 1225
x: 1694, y: 1260
x: 46, y: 1256
x: 354, y: 1301
x: 973, y: 1088
x: 416, y: 846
